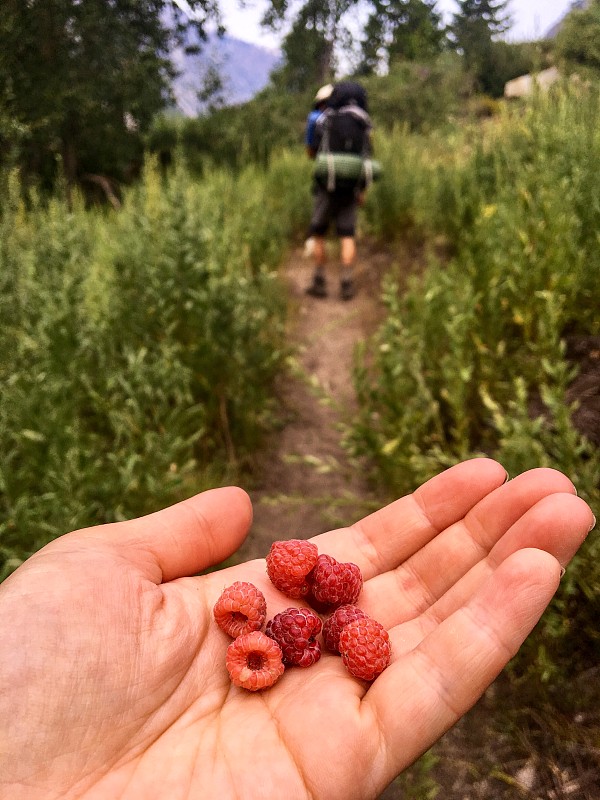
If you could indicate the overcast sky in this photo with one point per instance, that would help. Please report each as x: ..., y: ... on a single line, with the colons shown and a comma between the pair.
x: 531, y: 18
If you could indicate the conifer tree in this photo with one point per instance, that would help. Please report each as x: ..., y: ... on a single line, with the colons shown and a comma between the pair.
x: 306, y: 53
x: 325, y: 18
x: 473, y: 29
x: 408, y: 30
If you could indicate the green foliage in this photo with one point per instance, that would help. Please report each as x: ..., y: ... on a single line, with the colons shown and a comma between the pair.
x: 137, y: 349
x: 473, y: 30
x: 391, y: 204
x: 578, y: 41
x: 471, y: 359
x: 85, y: 79
x: 503, y: 62
x: 402, y: 30
x: 234, y: 136
x: 476, y: 22
x: 420, y: 96
x: 323, y: 26
x: 306, y: 54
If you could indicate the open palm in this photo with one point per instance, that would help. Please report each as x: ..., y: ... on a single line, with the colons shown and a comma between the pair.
x: 112, y: 671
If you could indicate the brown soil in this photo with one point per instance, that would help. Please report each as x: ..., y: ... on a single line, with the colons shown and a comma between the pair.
x: 308, y: 485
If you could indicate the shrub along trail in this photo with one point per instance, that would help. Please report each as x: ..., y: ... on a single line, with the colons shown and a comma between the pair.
x: 306, y: 482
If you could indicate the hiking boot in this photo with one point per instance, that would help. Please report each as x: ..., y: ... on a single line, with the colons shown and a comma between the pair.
x: 318, y: 287
x: 347, y: 290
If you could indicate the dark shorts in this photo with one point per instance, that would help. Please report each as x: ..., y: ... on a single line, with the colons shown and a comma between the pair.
x: 339, y: 207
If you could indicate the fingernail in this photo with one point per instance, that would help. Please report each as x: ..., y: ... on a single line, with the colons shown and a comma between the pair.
x: 593, y: 523
x: 507, y: 478
x: 562, y: 573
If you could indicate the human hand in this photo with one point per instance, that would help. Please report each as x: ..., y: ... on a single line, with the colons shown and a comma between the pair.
x: 112, y: 670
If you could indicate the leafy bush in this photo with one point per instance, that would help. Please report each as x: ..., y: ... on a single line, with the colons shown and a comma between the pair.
x: 137, y: 347
x: 578, y: 44
x: 236, y: 135
x: 471, y: 359
x: 421, y: 97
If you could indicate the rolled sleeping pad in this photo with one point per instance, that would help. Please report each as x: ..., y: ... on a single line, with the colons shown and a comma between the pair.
x: 347, y: 166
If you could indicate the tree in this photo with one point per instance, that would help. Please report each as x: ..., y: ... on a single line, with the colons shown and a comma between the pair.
x: 325, y: 18
x: 578, y: 41
x: 306, y: 54
x: 473, y: 29
x: 86, y: 78
x: 211, y: 95
x: 402, y: 30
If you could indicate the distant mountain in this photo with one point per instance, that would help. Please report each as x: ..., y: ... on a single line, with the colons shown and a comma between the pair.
x: 576, y: 5
x: 244, y: 69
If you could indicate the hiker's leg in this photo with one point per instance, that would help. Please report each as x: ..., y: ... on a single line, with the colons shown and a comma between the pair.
x: 347, y: 256
x: 318, y: 228
x: 348, y: 251
x: 346, y: 228
x: 319, y: 254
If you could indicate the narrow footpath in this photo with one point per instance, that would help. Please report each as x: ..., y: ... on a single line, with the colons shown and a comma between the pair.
x: 307, y: 483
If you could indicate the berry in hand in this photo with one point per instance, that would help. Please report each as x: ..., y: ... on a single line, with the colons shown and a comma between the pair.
x: 254, y: 661
x: 365, y: 648
x: 333, y: 626
x: 288, y: 564
x: 241, y: 609
x: 334, y: 584
x: 294, y: 630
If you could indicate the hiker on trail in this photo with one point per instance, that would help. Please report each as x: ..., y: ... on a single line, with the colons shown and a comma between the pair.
x: 320, y: 104
x: 113, y: 681
x: 344, y: 128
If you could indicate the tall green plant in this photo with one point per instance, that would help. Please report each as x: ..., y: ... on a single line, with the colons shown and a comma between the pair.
x: 471, y: 359
x: 138, y: 348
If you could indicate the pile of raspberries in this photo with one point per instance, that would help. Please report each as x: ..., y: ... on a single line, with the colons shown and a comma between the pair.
x: 256, y: 660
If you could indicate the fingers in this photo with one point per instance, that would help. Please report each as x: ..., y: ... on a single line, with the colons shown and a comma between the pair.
x: 429, y: 574
x: 557, y: 524
x: 185, y: 538
x: 493, y: 516
x: 388, y: 537
x: 433, y: 685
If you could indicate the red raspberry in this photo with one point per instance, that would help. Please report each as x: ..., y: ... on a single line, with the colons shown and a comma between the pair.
x: 294, y: 630
x: 365, y: 648
x: 254, y: 661
x: 241, y: 608
x: 288, y: 564
x: 337, y: 622
x: 333, y: 584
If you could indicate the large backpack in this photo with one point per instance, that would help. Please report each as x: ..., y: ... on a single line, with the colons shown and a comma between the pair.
x: 346, y: 130
x: 343, y: 160
x: 347, y: 92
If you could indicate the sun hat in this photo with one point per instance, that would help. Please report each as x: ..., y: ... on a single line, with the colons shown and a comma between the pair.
x: 324, y: 93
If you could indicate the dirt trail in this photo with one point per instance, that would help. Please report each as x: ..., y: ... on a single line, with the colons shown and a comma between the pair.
x: 307, y: 484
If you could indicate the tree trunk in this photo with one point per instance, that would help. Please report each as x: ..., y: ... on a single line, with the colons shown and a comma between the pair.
x: 69, y: 158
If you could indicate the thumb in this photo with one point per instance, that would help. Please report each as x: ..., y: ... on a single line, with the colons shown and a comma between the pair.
x: 185, y: 538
